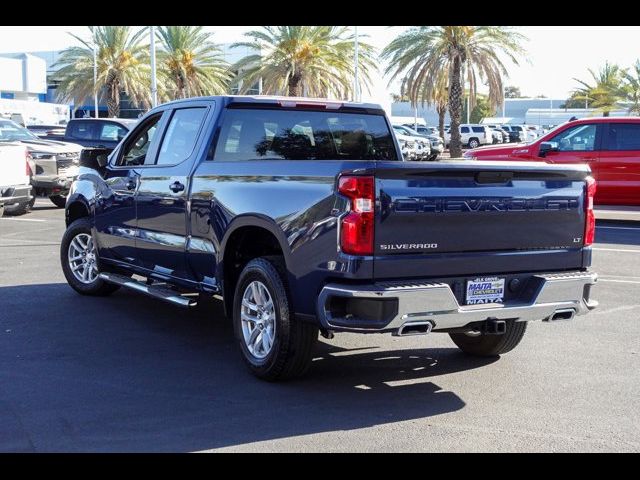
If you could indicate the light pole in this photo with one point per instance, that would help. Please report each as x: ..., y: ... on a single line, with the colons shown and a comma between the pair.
x: 154, y: 85
x: 95, y: 78
x: 356, y: 86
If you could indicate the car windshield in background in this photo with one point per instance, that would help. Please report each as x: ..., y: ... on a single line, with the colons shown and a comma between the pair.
x: 254, y: 134
x: 10, y: 131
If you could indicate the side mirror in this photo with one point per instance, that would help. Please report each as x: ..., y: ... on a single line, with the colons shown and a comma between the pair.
x: 546, y: 147
x: 95, y: 158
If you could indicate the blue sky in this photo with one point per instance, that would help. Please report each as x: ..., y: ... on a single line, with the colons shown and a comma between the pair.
x: 555, y: 54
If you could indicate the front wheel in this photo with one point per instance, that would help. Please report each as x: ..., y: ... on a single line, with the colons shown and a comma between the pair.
x: 476, y: 343
x: 273, y: 343
x: 58, y: 200
x: 18, y: 208
x: 79, y: 260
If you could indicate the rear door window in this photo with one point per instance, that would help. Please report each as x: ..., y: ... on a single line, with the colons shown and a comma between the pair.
x: 82, y: 130
x: 623, y: 136
x: 266, y: 134
x: 112, y: 132
x: 478, y: 129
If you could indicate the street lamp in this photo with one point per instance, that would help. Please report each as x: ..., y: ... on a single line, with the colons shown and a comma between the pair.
x: 95, y: 78
x: 356, y: 86
x: 154, y: 85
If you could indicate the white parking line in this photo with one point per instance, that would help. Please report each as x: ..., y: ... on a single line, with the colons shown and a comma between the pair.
x: 617, y: 250
x: 600, y: 279
x: 23, y: 219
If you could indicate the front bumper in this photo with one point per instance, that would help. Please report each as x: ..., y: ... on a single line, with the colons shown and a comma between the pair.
x: 51, y: 182
x: 12, y: 194
x: 546, y: 295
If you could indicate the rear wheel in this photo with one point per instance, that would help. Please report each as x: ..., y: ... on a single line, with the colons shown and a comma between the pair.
x: 474, y: 143
x: 1, y: 209
x: 79, y: 259
x: 58, y: 200
x: 476, y: 343
x: 274, y: 344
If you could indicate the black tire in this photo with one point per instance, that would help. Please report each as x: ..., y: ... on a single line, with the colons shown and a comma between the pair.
x: 58, y: 200
x: 473, y: 143
x: 96, y: 288
x: 1, y: 209
x: 18, y: 208
x: 292, y: 349
x: 491, y: 345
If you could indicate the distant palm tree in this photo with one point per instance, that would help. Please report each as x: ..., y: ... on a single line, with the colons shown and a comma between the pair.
x: 607, y: 90
x: 190, y: 63
x: 631, y: 88
x: 304, y: 60
x: 123, y: 65
x: 421, y: 54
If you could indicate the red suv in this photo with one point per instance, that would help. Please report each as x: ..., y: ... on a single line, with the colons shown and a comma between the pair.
x: 611, y: 147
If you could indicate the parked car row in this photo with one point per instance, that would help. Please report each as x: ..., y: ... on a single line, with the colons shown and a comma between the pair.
x: 427, y: 146
x: 610, y: 146
x: 53, y: 153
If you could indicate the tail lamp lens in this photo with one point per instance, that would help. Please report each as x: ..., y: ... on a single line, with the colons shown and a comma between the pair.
x: 356, y: 235
x: 590, y: 227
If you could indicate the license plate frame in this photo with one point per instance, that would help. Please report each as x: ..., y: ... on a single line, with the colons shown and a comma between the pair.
x: 485, y: 290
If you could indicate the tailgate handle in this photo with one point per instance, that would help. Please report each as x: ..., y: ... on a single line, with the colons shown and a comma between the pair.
x: 494, y: 177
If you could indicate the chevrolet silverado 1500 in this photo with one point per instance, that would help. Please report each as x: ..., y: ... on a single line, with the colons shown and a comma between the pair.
x: 303, y: 217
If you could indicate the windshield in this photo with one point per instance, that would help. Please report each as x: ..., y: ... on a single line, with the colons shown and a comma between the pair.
x: 10, y: 131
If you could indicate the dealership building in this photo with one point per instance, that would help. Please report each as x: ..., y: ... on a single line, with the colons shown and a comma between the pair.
x: 29, y: 77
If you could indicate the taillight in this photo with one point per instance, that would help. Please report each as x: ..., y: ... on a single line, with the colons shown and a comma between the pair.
x: 590, y: 227
x: 356, y: 235
x: 27, y: 156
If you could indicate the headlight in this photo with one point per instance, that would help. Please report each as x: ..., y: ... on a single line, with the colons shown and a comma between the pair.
x: 41, y: 155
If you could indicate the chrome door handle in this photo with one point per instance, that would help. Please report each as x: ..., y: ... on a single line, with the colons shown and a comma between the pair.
x: 176, y: 187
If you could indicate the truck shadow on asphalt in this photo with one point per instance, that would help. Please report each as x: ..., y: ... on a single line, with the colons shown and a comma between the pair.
x: 127, y: 373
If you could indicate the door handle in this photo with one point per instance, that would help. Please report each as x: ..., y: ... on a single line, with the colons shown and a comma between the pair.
x: 131, y: 184
x: 176, y: 187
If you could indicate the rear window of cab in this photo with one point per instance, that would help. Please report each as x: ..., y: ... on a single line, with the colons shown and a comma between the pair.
x: 269, y: 134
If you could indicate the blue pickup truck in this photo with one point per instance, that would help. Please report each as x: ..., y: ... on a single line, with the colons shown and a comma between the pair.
x: 302, y: 216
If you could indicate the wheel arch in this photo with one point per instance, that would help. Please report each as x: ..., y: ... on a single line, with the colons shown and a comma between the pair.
x: 248, y: 237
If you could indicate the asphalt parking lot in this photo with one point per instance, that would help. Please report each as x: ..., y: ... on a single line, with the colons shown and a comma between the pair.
x: 127, y: 373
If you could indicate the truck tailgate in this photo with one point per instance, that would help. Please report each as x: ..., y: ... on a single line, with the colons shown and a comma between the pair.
x: 474, y: 212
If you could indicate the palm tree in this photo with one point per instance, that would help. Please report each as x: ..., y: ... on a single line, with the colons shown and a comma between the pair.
x: 631, y: 87
x: 304, y: 60
x: 190, y: 64
x: 123, y: 65
x: 421, y: 54
x: 607, y: 90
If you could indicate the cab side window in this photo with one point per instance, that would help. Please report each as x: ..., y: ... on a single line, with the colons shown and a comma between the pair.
x: 578, y: 138
x: 136, y: 150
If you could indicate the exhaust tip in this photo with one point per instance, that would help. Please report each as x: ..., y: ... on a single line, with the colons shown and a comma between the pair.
x: 415, y: 328
x: 563, y: 314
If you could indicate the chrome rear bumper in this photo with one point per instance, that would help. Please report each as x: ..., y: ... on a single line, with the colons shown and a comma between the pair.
x: 553, y: 296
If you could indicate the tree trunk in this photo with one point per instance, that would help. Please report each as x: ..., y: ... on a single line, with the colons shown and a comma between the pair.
x: 455, y: 108
x: 606, y: 113
x: 442, y: 111
x: 294, y: 87
x: 113, y: 99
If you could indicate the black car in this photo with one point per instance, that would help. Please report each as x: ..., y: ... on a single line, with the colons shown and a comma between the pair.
x: 97, y: 132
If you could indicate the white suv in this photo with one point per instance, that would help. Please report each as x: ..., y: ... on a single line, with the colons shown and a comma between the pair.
x: 472, y: 135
